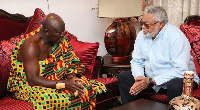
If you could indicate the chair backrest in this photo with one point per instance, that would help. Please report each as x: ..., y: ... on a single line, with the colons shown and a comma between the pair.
x: 192, y: 20
x: 191, y: 29
x: 12, y: 24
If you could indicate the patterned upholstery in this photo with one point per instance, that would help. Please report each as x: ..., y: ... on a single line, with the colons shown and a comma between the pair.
x: 193, y: 35
x: 8, y: 103
x: 36, y: 20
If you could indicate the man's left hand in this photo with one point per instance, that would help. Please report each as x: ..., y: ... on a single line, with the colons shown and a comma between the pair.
x: 140, y: 84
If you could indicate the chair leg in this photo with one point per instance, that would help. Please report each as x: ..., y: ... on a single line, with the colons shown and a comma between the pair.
x: 117, y: 103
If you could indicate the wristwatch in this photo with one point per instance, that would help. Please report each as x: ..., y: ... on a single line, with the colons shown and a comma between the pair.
x: 151, y: 84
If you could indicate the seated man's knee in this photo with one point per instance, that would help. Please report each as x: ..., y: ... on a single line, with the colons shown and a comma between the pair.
x: 174, y: 83
x: 123, y: 75
x: 174, y: 87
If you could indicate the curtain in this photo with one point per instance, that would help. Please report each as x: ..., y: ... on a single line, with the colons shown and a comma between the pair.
x: 178, y: 10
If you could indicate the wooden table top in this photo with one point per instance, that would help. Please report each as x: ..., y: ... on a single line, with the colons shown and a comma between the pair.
x: 143, y: 104
x: 108, y: 62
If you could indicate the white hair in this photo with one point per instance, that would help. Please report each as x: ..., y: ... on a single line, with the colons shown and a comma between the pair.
x: 159, y: 12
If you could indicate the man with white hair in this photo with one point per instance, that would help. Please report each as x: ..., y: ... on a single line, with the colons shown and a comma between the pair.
x: 160, y: 57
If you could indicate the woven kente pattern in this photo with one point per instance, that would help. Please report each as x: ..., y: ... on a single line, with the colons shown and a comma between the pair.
x: 62, y: 61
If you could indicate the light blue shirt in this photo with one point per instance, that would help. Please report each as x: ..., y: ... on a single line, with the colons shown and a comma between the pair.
x: 164, y: 58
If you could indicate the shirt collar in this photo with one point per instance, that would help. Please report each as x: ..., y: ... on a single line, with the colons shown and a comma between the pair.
x: 163, y: 30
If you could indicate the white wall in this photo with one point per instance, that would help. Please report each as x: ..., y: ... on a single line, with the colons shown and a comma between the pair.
x: 78, y: 15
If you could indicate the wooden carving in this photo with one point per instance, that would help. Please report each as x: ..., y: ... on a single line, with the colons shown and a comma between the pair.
x: 191, y: 18
x: 15, y: 17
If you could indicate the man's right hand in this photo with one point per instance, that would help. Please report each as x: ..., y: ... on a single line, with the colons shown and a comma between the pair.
x: 75, y: 84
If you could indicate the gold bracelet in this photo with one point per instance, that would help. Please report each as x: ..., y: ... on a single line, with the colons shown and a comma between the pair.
x: 60, y: 85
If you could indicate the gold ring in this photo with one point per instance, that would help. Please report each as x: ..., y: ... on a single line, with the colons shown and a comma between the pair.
x: 76, y: 93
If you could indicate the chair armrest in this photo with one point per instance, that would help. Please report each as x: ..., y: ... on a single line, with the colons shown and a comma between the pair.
x: 100, y: 60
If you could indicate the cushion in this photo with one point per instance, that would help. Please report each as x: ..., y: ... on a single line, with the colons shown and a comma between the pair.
x: 193, y: 35
x: 86, y: 51
x: 36, y: 20
x: 6, y: 48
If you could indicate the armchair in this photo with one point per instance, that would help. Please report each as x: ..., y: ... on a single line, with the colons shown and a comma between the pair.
x: 13, y: 28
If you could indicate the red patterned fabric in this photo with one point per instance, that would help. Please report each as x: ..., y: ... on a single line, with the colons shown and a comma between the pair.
x: 193, y: 35
x: 8, y: 103
x: 6, y: 47
x: 36, y: 20
x: 86, y: 51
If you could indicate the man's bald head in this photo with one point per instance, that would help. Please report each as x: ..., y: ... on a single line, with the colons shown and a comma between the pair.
x: 53, y: 28
x: 53, y: 21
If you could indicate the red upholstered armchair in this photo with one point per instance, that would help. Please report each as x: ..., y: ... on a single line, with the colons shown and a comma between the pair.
x: 191, y: 29
x: 13, y: 28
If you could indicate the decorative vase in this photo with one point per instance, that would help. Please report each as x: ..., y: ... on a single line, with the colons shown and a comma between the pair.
x: 186, y: 101
x: 120, y: 38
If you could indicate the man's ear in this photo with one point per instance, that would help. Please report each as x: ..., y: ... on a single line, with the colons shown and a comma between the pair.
x: 162, y: 24
x: 46, y: 31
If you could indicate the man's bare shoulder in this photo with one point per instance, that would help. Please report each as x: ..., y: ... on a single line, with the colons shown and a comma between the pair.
x: 31, y: 41
x: 30, y: 48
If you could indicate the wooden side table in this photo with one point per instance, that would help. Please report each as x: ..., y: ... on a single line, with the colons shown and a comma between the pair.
x: 114, y: 68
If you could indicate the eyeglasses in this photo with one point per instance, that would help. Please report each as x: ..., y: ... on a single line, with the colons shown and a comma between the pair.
x: 147, y: 25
